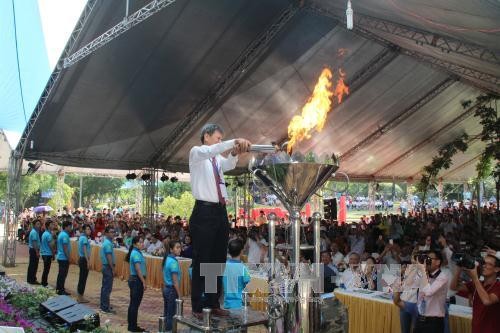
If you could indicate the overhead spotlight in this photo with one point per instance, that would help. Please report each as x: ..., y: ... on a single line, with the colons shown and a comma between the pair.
x: 163, y: 177
x: 146, y: 177
x: 33, y: 167
x: 349, y: 13
x: 174, y: 179
x: 131, y: 176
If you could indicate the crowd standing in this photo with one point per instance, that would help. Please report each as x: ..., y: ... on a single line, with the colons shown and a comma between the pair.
x: 424, y: 243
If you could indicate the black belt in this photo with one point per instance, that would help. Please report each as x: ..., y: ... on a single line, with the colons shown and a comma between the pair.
x: 210, y: 204
x: 427, y: 318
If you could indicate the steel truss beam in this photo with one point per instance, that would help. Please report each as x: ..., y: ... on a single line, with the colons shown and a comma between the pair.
x: 208, y: 105
x: 126, y: 24
x: 422, y: 37
x: 371, y: 69
x: 469, y: 112
x: 398, y: 119
x: 468, y: 75
x: 89, y: 7
x: 127, y: 164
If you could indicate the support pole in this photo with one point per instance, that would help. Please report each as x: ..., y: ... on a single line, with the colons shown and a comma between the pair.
x: 81, y: 192
x: 12, y: 207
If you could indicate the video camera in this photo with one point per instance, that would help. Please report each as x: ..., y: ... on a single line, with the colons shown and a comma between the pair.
x: 465, y: 260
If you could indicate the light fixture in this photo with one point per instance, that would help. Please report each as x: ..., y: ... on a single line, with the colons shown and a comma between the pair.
x: 174, y: 179
x: 131, y: 176
x: 163, y: 177
x: 349, y: 13
x: 146, y: 177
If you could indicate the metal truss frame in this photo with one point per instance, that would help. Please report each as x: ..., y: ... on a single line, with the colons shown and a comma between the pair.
x: 371, y: 69
x: 53, y: 79
x: 127, y: 164
x: 16, y: 158
x: 149, y: 194
x: 398, y: 119
x: 126, y: 24
x: 422, y: 37
x: 208, y: 105
x: 467, y: 74
x: 469, y: 112
x: 12, y: 210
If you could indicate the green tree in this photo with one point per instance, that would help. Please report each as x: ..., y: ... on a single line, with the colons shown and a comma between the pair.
x: 169, y: 189
x: 63, y: 199
x: 178, y: 206
x: 94, y: 187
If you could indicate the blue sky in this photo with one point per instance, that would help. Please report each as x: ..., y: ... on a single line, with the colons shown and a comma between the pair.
x: 43, y: 27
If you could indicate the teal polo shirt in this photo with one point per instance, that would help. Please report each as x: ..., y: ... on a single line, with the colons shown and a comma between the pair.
x: 45, y: 249
x: 83, y: 242
x: 34, y: 237
x: 107, y: 248
x: 63, y: 239
x: 136, y: 257
x: 171, y: 266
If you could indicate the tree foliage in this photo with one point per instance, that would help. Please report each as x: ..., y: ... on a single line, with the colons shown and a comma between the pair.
x: 94, y: 187
x: 169, y: 189
x: 178, y: 206
x: 443, y: 160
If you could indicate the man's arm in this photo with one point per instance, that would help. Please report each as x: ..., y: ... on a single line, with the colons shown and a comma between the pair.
x: 228, y: 163
x: 109, y: 257
x: 486, y: 299
x: 66, y: 250
x: 454, y: 285
x: 201, y: 153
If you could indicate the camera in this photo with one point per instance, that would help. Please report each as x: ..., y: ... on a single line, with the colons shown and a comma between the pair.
x: 423, y: 258
x: 464, y: 260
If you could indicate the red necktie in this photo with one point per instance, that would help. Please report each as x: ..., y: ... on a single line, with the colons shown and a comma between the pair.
x: 217, y: 181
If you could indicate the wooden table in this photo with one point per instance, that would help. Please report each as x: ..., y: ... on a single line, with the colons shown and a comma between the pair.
x: 154, y: 275
x: 369, y: 313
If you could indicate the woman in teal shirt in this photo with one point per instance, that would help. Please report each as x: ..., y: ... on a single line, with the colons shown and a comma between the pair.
x: 171, y: 280
x: 136, y: 282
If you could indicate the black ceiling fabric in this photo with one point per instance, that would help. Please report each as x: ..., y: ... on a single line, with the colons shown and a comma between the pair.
x: 114, y: 108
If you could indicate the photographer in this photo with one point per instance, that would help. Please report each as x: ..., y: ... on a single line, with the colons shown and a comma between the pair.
x: 431, y: 299
x: 484, y: 296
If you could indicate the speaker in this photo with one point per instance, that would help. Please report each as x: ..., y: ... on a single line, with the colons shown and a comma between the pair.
x: 58, y: 303
x: 66, y: 311
x: 330, y: 208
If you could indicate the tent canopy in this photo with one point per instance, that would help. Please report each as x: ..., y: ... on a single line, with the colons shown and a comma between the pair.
x: 141, y: 99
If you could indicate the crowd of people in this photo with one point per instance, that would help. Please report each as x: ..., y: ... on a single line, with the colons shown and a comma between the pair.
x: 354, y: 255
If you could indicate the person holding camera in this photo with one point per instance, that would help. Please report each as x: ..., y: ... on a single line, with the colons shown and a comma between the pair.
x: 431, y: 298
x: 484, y: 295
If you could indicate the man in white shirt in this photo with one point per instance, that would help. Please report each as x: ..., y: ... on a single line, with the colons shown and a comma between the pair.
x: 337, y: 256
x: 209, y: 225
x: 154, y: 245
x: 431, y: 299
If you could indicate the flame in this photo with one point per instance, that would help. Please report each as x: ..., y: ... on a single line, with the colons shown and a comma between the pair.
x: 314, y: 112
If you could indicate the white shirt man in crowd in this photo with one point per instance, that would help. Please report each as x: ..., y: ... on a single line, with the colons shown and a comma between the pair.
x: 431, y: 299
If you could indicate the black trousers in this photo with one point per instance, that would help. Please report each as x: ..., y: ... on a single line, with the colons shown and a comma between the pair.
x: 136, y: 294
x: 47, y: 262
x: 209, y: 230
x: 84, y: 273
x: 429, y: 325
x: 32, y: 266
x: 63, y: 273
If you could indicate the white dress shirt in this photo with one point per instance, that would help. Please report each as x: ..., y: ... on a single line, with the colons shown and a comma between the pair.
x: 203, y: 184
x: 154, y: 246
x: 434, y: 293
